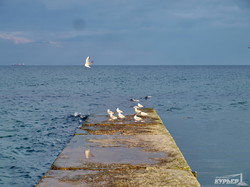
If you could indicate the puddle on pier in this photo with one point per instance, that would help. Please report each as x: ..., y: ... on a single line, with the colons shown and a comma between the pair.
x: 74, y: 155
x: 123, y: 155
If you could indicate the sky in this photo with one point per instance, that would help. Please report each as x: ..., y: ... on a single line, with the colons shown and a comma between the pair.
x: 125, y: 32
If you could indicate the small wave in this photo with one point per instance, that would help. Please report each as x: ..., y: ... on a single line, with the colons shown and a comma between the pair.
x: 93, y: 104
x: 25, y: 176
x: 6, y: 136
x: 187, y: 117
x: 239, y: 103
x: 242, y: 103
x: 160, y: 105
x: 31, y: 150
x: 182, y: 78
x: 32, y: 85
x: 51, y: 134
x: 206, y: 108
x: 23, y: 147
x: 171, y: 109
x: 77, y: 116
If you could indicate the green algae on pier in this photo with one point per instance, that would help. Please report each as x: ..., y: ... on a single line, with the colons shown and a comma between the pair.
x: 123, y: 153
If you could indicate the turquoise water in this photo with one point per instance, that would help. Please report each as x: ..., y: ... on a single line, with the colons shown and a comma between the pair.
x: 206, y: 109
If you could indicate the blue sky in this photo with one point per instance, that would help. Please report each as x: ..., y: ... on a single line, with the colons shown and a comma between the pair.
x: 142, y: 32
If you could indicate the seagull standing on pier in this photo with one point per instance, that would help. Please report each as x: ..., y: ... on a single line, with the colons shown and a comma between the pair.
x: 143, y: 113
x: 109, y: 112
x: 121, y: 116
x: 137, y: 111
x: 140, y: 105
x: 118, y: 110
x: 88, y: 62
x: 112, y: 117
x: 137, y: 118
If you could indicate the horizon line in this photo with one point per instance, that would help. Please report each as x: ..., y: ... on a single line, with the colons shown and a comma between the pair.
x: 17, y: 65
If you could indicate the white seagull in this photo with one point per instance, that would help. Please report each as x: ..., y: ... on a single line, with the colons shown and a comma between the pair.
x: 109, y: 111
x: 140, y: 105
x: 88, y: 154
x: 137, y: 110
x: 88, y: 62
x: 143, y: 113
x: 121, y: 116
x: 112, y: 117
x: 118, y: 110
x: 137, y: 118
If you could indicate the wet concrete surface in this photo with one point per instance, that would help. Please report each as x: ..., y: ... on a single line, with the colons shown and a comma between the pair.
x: 121, y: 153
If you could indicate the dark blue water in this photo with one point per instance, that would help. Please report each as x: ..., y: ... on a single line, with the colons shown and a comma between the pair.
x: 206, y: 109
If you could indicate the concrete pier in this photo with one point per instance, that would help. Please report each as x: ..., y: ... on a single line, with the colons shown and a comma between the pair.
x: 121, y: 153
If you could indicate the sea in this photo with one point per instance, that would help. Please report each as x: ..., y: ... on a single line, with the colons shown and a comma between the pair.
x: 205, y: 108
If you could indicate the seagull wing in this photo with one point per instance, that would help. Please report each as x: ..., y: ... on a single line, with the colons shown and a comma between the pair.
x: 88, y: 62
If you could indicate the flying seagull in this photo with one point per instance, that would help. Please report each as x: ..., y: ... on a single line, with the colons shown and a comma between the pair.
x: 88, y: 62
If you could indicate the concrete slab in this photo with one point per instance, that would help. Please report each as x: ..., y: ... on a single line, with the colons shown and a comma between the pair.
x: 121, y: 153
x: 144, y: 177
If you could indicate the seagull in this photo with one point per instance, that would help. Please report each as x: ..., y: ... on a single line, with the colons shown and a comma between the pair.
x: 137, y: 118
x: 135, y: 100
x: 121, y: 116
x: 137, y: 110
x: 143, y: 113
x: 112, y: 117
x: 147, y: 97
x: 118, y: 110
x: 88, y: 62
x: 88, y: 154
x: 109, y: 111
x: 140, y: 105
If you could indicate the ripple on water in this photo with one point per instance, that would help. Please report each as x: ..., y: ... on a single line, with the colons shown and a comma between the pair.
x: 238, y: 103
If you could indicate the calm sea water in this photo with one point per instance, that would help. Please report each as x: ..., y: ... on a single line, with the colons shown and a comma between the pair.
x: 206, y: 109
